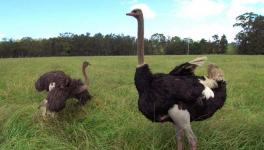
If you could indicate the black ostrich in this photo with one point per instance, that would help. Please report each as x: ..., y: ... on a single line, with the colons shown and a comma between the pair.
x: 180, y: 96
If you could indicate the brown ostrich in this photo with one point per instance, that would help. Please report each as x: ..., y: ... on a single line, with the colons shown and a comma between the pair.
x: 61, y: 87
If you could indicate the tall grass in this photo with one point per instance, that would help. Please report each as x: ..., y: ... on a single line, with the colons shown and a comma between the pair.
x: 112, y: 120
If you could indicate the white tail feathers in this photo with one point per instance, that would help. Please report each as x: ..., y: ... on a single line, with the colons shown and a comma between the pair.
x: 199, y: 61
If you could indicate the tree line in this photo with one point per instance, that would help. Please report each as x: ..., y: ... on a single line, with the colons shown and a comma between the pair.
x: 69, y: 44
x: 250, y: 40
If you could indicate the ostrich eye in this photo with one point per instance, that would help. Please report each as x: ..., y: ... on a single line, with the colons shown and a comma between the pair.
x: 134, y: 11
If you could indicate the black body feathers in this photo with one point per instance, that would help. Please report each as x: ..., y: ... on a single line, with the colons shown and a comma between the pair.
x: 185, y: 69
x: 159, y: 92
x: 209, y: 107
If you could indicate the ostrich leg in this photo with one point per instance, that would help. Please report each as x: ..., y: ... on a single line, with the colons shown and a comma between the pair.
x: 181, y: 119
x: 179, y: 136
x: 191, y: 137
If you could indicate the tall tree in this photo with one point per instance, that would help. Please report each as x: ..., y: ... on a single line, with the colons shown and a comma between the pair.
x: 223, y: 45
x: 158, y: 42
x: 215, y: 44
x: 203, y: 46
x: 175, y: 46
x: 250, y: 39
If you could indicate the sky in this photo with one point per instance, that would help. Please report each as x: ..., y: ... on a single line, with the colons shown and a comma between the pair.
x: 194, y: 19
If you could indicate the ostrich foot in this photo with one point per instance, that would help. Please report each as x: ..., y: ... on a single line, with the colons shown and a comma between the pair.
x: 179, y: 136
x: 193, y: 144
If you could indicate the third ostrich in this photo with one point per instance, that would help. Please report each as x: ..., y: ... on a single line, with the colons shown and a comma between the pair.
x: 180, y: 96
x: 60, y: 87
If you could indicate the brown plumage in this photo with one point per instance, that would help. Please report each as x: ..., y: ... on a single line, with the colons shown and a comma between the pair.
x: 215, y: 73
x: 61, y: 87
x: 59, y: 77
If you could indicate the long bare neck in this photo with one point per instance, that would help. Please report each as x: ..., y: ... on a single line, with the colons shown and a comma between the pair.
x: 140, y: 41
x: 85, y: 75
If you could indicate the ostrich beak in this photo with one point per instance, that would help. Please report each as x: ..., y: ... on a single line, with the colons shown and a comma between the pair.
x: 86, y: 63
x: 131, y: 14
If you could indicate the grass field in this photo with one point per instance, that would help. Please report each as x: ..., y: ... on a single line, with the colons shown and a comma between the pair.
x: 112, y: 120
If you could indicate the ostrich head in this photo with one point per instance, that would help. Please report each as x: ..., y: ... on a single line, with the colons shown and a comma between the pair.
x: 137, y: 13
x: 85, y: 64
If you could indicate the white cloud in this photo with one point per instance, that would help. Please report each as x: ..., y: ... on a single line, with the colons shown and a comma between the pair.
x: 238, y: 7
x: 205, y: 30
x: 203, y: 18
x: 196, y: 9
x: 2, y: 35
x: 148, y: 13
x: 200, y: 9
x: 247, y: 1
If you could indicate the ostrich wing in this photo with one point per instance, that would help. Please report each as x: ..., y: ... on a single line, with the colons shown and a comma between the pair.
x: 181, y: 88
x: 165, y: 91
x: 188, y: 68
x: 56, y: 99
x: 59, y: 77
x: 185, y: 69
